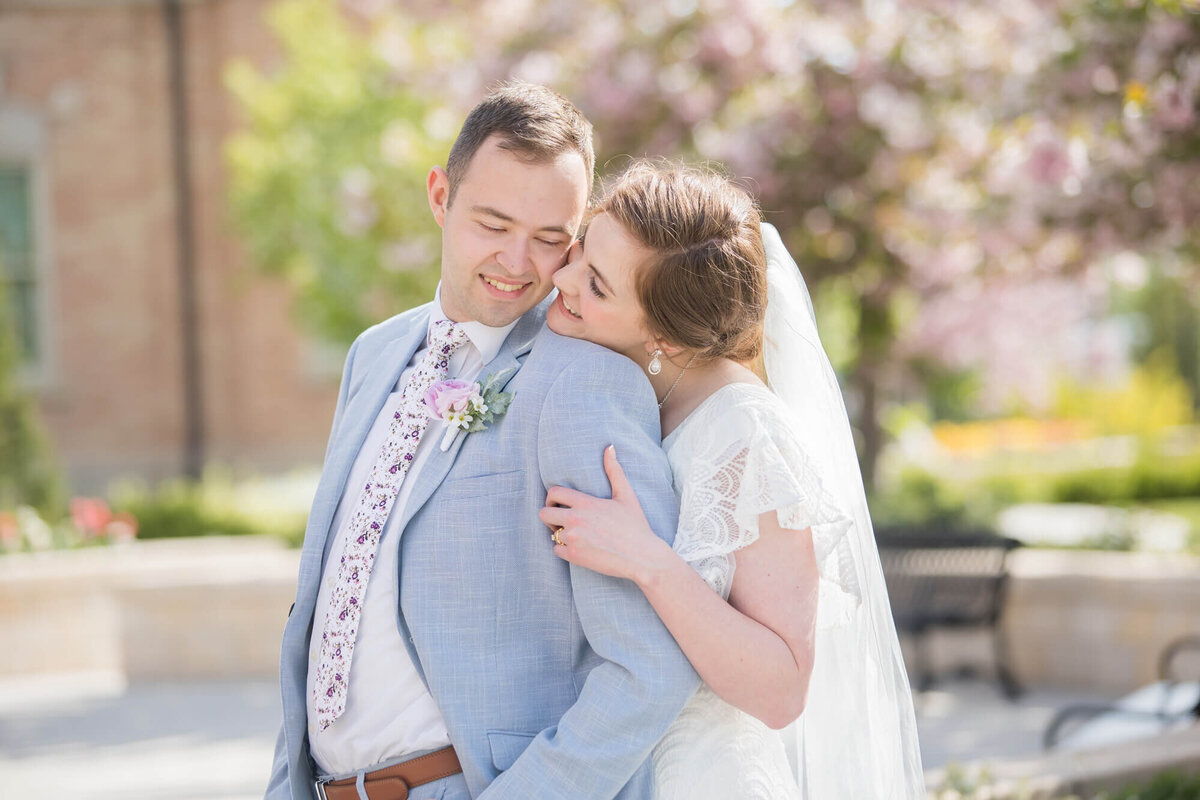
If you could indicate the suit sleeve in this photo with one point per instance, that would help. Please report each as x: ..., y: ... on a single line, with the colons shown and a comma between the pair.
x: 629, y: 699
x: 279, y: 784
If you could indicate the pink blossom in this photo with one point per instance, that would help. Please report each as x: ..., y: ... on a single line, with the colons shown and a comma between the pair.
x: 1048, y: 163
x: 90, y: 515
x: 1173, y: 109
x: 10, y: 534
x: 449, y: 397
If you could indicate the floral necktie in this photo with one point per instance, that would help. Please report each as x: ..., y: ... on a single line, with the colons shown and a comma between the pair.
x: 370, y: 515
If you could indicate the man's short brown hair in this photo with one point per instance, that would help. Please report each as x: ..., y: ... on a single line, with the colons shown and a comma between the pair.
x: 534, y: 123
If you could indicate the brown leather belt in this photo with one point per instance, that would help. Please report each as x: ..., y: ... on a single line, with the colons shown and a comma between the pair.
x: 394, y: 782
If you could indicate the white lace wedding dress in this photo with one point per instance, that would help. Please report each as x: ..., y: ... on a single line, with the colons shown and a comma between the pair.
x: 735, y: 458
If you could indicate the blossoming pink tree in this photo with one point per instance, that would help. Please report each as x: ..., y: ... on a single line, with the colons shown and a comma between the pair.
x: 960, y: 182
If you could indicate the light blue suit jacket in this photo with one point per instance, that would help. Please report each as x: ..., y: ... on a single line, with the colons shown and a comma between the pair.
x: 554, y: 681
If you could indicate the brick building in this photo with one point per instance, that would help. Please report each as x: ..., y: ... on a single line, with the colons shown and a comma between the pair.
x: 146, y: 355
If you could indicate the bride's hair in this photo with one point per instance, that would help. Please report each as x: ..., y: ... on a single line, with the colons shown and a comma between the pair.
x: 705, y: 286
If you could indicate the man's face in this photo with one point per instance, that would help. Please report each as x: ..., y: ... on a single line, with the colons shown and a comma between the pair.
x: 507, y: 231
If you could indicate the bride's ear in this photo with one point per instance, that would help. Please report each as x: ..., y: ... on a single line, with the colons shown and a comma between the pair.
x: 669, y: 350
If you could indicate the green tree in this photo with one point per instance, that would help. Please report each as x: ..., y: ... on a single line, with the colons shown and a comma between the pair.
x: 28, y: 475
x: 1171, y: 315
x: 955, y: 170
x: 327, y: 179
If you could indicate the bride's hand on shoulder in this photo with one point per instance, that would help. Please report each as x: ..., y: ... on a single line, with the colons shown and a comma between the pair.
x: 608, y: 536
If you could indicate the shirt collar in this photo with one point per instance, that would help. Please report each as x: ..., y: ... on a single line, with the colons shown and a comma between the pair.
x: 487, y: 340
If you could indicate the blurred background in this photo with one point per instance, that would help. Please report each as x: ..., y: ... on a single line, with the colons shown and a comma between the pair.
x: 202, y: 202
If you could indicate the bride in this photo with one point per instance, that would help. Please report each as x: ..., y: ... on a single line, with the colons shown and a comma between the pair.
x: 773, y: 588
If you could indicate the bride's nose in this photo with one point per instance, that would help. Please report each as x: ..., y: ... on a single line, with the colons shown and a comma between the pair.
x: 564, y: 276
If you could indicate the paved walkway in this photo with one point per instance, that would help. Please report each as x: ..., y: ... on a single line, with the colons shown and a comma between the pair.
x: 90, y: 737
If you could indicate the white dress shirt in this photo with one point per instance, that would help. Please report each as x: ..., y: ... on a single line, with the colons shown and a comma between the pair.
x: 389, y: 712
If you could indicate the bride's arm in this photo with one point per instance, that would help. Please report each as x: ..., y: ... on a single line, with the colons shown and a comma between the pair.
x: 756, y: 651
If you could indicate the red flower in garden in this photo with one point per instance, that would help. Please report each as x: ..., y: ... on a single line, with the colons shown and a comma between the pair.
x: 9, y: 532
x: 90, y: 515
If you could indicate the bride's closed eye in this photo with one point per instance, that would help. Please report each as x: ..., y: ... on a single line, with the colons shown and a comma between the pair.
x: 592, y: 285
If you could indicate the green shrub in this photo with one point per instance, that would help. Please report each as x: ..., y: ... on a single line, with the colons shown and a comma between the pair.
x: 919, y: 497
x: 178, y: 509
x: 1092, y: 486
x: 962, y: 784
x: 1166, y: 478
x: 1150, y: 478
x: 1165, y: 786
x: 217, y: 505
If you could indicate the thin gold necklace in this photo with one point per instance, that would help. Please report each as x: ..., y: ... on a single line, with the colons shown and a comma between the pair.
x: 662, y: 402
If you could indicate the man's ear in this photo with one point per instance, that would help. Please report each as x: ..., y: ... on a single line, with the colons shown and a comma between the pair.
x: 437, y: 185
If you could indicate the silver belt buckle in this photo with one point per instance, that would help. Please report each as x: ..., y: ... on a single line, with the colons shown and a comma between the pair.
x: 320, y: 787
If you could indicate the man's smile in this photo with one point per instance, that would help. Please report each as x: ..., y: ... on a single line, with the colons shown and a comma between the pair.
x: 504, y: 288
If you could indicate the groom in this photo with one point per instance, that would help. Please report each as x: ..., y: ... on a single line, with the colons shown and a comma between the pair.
x: 437, y: 648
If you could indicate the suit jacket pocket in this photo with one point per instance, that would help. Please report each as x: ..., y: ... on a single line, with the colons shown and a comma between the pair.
x: 507, y: 747
x: 489, y: 484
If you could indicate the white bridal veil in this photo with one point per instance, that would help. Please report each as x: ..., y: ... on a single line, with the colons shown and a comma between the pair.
x: 857, y: 738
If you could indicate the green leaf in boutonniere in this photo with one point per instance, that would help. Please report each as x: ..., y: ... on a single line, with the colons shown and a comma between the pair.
x: 495, y: 401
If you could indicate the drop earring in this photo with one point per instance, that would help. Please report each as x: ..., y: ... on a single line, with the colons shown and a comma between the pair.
x: 655, y: 364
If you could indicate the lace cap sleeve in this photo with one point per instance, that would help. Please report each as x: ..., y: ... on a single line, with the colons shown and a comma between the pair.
x: 742, y: 460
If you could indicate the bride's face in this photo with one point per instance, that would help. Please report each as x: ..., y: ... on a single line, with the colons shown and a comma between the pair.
x: 596, y: 298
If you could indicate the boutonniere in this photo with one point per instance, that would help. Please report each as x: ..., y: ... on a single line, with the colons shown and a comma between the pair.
x: 467, y: 406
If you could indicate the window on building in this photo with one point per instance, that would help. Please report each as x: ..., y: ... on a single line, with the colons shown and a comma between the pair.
x: 17, y: 257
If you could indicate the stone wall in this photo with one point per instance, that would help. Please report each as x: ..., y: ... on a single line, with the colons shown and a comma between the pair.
x: 208, y: 608
x: 215, y: 608
x: 1083, y: 774
x: 1086, y: 620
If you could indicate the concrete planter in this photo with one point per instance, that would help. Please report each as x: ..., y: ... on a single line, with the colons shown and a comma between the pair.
x: 215, y: 608
x: 1096, y: 619
x: 185, y: 608
x: 1085, y: 619
x: 1081, y: 774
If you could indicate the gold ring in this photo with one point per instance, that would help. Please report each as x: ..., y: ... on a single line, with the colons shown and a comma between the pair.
x: 554, y: 536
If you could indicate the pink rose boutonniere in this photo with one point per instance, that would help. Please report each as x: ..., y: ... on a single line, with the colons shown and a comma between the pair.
x: 466, y: 406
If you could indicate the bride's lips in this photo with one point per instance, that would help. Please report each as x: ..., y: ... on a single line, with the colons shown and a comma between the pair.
x: 502, y: 288
x: 564, y: 308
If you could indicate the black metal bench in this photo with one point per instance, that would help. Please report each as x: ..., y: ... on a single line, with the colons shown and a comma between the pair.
x: 952, y: 579
x: 1172, y: 702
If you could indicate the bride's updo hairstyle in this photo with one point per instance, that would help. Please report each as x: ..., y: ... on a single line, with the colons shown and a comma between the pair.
x: 705, y: 286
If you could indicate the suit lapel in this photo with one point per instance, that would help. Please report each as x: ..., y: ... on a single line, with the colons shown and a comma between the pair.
x: 510, y: 356
x: 362, y: 409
